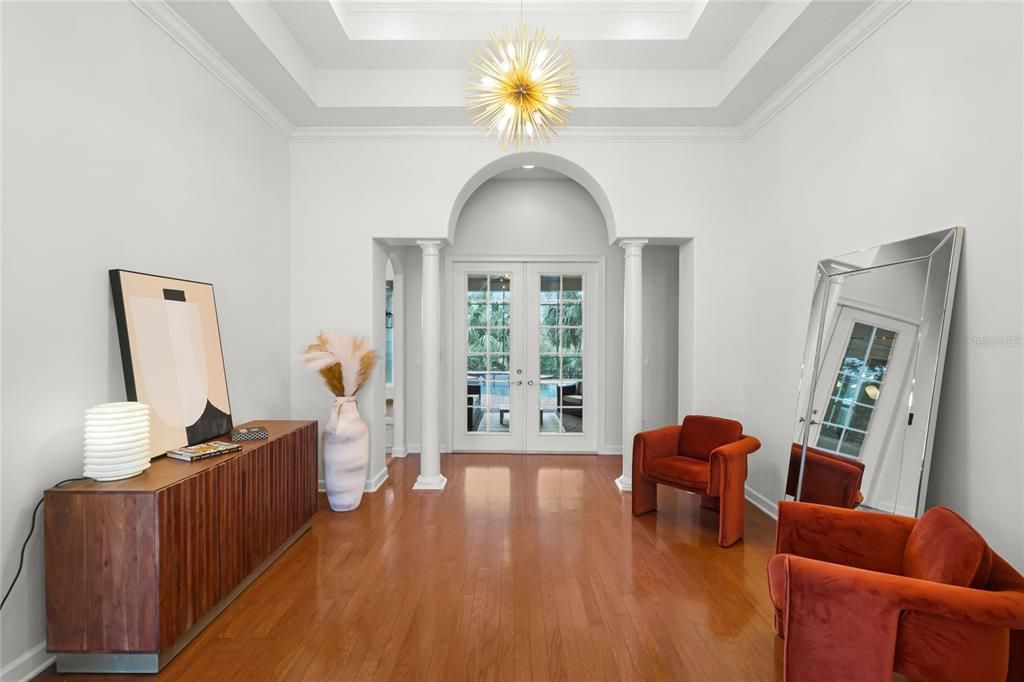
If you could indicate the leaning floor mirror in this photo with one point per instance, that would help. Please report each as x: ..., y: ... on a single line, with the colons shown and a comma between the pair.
x: 872, y: 373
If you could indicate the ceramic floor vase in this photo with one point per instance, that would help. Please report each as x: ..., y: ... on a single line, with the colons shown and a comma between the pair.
x: 346, y: 455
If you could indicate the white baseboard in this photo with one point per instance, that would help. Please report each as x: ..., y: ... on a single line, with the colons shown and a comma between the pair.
x: 28, y: 665
x: 889, y: 508
x: 399, y: 452
x: 415, y: 449
x: 374, y: 483
x: 763, y: 503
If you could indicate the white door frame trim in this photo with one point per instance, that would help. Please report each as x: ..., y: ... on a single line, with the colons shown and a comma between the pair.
x: 448, y: 386
x: 399, y: 447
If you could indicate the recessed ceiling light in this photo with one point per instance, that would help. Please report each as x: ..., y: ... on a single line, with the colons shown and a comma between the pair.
x: 529, y: 167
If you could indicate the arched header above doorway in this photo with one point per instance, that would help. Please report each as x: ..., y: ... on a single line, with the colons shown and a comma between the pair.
x: 540, y: 160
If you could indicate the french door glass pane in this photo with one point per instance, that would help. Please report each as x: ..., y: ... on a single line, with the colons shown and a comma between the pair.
x: 858, y: 386
x: 560, y: 352
x: 488, y: 343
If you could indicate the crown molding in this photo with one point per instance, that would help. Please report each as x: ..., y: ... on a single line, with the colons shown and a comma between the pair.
x: 161, y: 14
x: 647, y: 7
x: 473, y: 134
x: 870, y: 20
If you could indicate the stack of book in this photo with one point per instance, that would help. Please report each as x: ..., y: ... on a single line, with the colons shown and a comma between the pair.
x: 194, y: 453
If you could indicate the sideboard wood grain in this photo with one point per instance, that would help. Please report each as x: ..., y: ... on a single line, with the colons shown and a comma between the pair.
x: 136, y: 568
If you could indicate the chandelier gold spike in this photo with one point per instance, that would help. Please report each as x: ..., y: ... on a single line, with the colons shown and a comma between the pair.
x: 520, y: 86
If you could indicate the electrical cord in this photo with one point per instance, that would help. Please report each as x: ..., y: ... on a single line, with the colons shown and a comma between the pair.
x: 32, y: 528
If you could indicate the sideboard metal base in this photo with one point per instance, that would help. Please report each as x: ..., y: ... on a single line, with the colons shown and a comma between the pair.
x: 152, y: 663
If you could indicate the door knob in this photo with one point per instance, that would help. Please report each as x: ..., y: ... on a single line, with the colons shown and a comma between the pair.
x: 519, y: 383
x: 530, y: 382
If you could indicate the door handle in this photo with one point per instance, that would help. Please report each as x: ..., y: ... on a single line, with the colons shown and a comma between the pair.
x: 519, y: 383
x: 528, y: 383
x: 813, y: 421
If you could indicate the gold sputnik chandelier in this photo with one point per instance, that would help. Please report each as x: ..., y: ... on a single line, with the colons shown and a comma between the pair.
x: 520, y: 85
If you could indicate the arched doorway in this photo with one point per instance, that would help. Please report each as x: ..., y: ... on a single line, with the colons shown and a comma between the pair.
x: 534, y: 160
x: 526, y: 306
x: 436, y: 266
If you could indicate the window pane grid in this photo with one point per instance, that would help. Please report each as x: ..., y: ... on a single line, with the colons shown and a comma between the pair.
x: 389, y: 333
x: 858, y: 384
x: 561, y: 353
x: 488, y: 344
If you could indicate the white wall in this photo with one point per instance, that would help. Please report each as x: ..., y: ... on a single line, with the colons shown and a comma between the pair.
x: 661, y: 336
x: 120, y: 151
x: 917, y: 130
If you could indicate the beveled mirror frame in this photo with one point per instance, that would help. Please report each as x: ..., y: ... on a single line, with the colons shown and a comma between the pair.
x: 942, y: 251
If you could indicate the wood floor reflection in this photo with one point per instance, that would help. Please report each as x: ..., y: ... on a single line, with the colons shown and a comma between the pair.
x: 527, y: 567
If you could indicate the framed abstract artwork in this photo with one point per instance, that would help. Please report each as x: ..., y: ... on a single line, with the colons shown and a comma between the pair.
x: 172, y: 357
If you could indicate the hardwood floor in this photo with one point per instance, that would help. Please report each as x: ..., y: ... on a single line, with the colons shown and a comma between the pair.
x: 527, y: 567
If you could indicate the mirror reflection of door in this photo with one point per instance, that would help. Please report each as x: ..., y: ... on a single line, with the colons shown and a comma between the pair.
x: 861, y: 397
x: 524, y: 338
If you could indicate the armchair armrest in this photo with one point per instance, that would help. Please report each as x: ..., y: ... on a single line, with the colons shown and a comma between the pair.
x: 729, y: 461
x: 860, y: 539
x: 861, y: 608
x: 651, y: 445
x: 999, y: 609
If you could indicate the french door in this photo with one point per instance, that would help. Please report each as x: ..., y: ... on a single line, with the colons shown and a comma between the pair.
x: 857, y: 402
x: 525, y: 348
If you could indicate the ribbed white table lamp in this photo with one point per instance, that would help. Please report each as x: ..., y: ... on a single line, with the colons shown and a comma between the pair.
x: 116, y: 441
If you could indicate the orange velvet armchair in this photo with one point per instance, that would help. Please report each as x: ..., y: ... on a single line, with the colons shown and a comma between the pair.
x: 828, y: 478
x: 859, y: 595
x: 705, y: 455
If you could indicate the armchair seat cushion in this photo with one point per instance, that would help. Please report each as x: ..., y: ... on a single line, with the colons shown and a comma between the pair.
x: 943, y: 548
x: 685, y: 471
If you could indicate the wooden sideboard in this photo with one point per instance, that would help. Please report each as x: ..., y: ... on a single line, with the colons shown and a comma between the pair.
x: 136, y: 568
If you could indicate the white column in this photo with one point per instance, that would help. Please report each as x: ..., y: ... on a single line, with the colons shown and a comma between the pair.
x: 430, y: 477
x: 632, y: 356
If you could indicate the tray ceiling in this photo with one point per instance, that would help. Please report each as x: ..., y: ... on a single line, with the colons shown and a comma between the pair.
x: 646, y: 64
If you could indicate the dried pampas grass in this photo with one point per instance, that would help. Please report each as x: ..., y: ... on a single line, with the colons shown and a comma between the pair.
x: 345, y: 362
